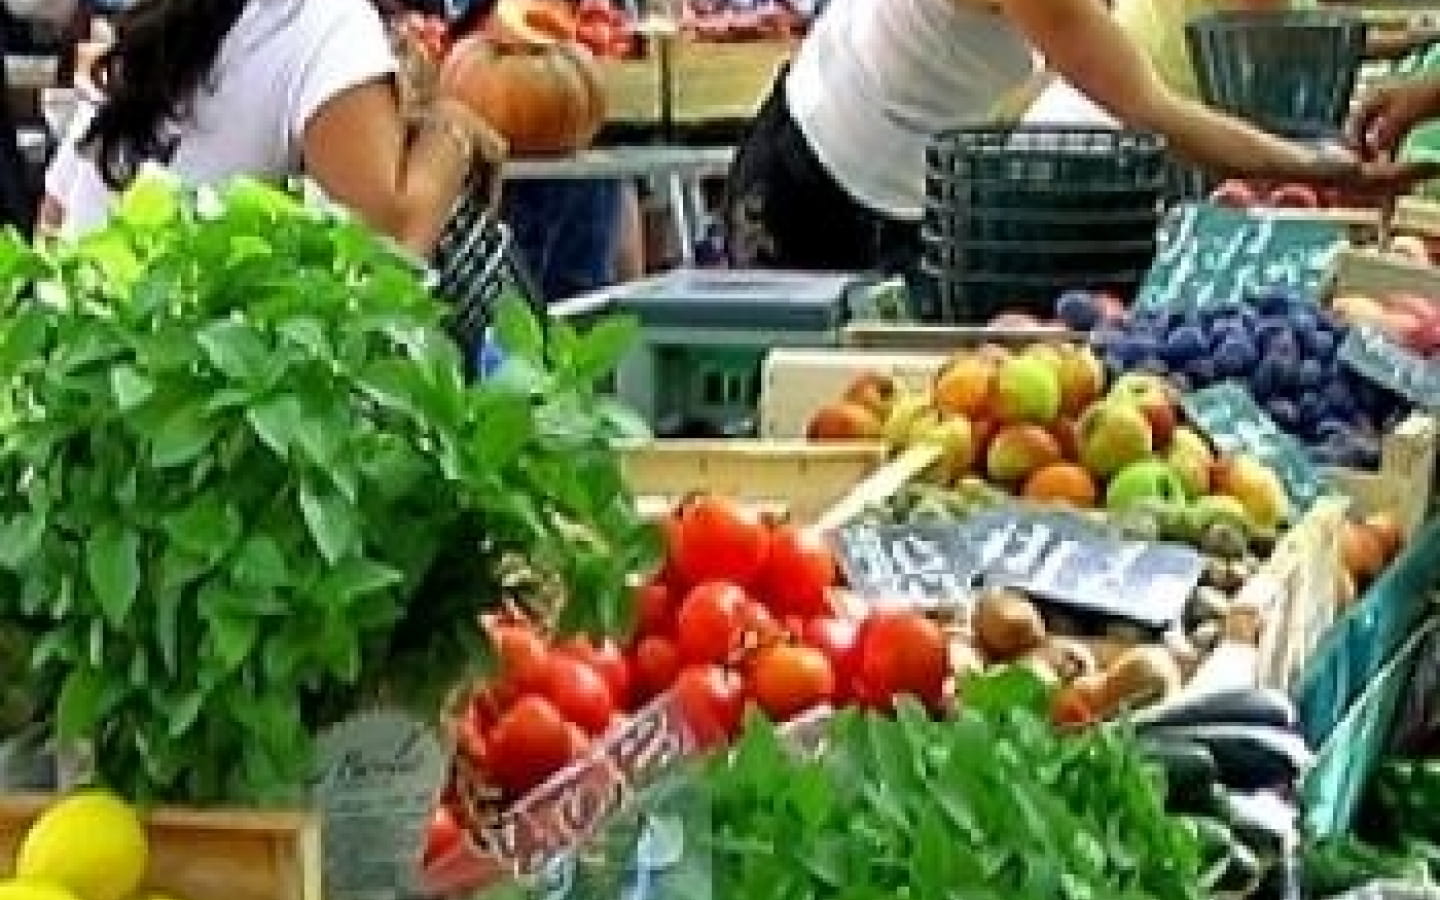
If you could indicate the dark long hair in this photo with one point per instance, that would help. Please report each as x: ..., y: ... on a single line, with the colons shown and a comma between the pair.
x: 163, y: 53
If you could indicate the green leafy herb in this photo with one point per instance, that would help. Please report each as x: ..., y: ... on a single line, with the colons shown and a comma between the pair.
x: 989, y: 804
x: 244, y: 487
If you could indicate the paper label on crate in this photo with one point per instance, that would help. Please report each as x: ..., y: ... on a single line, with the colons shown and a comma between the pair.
x: 1376, y: 356
x: 1052, y: 555
x: 1235, y: 423
x: 376, y: 779
x: 536, y: 833
x: 1211, y: 256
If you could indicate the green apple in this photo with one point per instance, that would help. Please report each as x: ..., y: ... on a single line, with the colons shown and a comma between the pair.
x: 1143, y: 481
x: 1027, y: 389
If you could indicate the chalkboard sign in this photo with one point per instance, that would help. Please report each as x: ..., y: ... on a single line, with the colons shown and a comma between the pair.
x: 1051, y: 555
x: 1236, y: 424
x: 1211, y: 256
x: 1375, y: 355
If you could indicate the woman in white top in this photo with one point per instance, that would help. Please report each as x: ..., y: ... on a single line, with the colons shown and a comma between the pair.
x: 213, y: 89
x: 832, y: 173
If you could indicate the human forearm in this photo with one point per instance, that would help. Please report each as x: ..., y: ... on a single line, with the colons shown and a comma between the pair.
x: 437, y: 163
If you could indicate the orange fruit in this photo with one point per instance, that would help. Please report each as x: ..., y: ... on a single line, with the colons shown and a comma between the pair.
x: 1062, y: 483
x: 1387, y: 529
x: 965, y: 387
x: 1362, y: 551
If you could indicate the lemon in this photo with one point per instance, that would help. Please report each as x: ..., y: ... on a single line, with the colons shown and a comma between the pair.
x: 23, y: 889
x: 90, y: 843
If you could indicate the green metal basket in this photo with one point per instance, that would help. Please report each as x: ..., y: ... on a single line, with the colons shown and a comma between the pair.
x: 1292, y: 73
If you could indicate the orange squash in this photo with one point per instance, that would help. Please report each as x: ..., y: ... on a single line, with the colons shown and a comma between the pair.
x: 545, y: 98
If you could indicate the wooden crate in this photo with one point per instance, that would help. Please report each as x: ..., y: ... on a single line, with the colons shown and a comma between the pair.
x: 795, y: 382
x: 723, y: 82
x: 634, y: 92
x: 803, y: 479
x: 230, y: 854
x: 1408, y: 455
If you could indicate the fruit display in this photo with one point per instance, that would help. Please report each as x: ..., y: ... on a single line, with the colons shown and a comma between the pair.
x: 1047, y: 425
x: 728, y: 21
x: 1410, y: 320
x: 1286, y: 353
x: 1240, y: 194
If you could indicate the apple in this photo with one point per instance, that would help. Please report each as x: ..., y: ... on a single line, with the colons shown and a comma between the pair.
x: 1113, y: 434
x: 844, y: 421
x: 1018, y: 450
x: 1358, y: 309
x: 1189, y: 455
x: 1082, y: 378
x: 1155, y: 398
x: 1235, y: 194
x: 1027, y: 389
x: 1294, y: 196
x: 1148, y: 479
x: 873, y: 390
x: 1257, y: 488
x: 1213, y: 509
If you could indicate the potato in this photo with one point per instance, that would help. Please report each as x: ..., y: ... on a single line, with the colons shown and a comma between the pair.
x: 1007, y: 625
x: 1140, y: 676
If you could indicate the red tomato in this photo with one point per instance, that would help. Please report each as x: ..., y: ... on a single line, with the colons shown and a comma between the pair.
x: 759, y: 627
x: 470, y: 741
x: 902, y: 653
x: 712, y: 699
x: 488, y: 703
x: 711, y: 623
x: 798, y: 573
x: 606, y: 659
x: 787, y: 681
x: 718, y: 540
x: 579, y: 692
x: 1071, y: 708
x: 522, y: 653
x: 655, y: 610
x: 657, y: 662
x: 442, y: 836
x: 837, y: 639
x: 530, y: 743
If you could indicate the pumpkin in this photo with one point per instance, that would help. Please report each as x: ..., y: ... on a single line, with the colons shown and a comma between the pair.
x: 544, y: 98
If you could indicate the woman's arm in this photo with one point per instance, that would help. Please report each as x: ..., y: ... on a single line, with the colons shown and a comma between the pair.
x: 1083, y: 43
x: 404, y: 181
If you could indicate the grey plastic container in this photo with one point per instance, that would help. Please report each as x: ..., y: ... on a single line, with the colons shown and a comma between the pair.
x: 1290, y: 72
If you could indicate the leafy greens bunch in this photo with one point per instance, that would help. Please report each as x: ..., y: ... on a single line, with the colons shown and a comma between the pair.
x: 993, y: 803
x: 245, y: 489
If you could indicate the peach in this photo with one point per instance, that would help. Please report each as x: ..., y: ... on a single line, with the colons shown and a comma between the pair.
x: 1358, y: 309
x: 1153, y: 396
x: 1387, y: 530
x: 1113, y: 434
x: 1027, y: 389
x: 1362, y: 552
x: 966, y: 386
x: 844, y: 421
x: 1018, y: 450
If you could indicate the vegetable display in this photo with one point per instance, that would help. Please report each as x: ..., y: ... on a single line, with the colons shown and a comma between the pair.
x: 246, y: 489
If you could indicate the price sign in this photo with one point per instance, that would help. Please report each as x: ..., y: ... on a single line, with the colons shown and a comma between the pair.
x: 377, y: 778
x: 924, y: 564
x: 1209, y: 256
x: 1235, y: 423
x: 1055, y: 556
x: 1375, y: 356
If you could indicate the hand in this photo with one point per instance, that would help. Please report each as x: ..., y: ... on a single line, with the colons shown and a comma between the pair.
x: 1382, y: 121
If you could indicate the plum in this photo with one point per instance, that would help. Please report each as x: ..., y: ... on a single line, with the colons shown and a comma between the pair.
x: 1235, y: 355
x: 1285, y: 413
x: 1185, y: 343
x: 1310, y: 374
x: 1320, y: 343
x: 1312, y: 408
x: 1202, y: 371
x: 1079, y: 310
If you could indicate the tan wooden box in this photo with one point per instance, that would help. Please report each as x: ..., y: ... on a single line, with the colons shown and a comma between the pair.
x: 221, y: 854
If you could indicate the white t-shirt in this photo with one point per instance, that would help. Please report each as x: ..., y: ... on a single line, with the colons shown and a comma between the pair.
x: 281, y: 63
x: 875, y: 80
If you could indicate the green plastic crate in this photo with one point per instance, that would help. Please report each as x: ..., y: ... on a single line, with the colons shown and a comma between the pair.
x: 1357, y: 646
x: 1332, y: 789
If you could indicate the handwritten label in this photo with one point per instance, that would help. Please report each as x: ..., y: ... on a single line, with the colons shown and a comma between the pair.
x: 376, y: 780
x: 562, y: 813
x: 1210, y: 256
x: 1235, y: 423
x: 1052, y: 555
x: 1374, y: 355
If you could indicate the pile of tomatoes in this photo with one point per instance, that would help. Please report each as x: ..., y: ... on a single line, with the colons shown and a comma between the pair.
x: 741, y: 615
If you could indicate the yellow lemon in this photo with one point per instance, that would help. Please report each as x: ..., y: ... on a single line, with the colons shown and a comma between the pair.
x: 23, y: 889
x: 90, y: 843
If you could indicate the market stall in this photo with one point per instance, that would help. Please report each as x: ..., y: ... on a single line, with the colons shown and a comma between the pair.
x: 1102, y: 563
